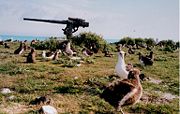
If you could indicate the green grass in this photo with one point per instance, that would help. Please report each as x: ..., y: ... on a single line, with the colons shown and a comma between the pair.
x: 76, y: 89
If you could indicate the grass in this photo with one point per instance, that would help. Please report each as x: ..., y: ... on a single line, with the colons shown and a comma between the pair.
x: 75, y: 90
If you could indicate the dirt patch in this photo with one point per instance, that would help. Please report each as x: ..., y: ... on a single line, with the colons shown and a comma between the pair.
x: 169, y: 96
x: 155, y: 81
x: 158, y: 97
x: 14, y: 108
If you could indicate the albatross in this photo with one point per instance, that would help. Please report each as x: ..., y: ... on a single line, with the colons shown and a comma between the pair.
x: 124, y: 92
x: 51, y: 55
x: 20, y: 49
x: 120, y: 67
x: 68, y: 49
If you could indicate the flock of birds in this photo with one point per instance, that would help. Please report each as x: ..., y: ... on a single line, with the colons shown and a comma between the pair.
x: 48, y: 55
x: 127, y: 90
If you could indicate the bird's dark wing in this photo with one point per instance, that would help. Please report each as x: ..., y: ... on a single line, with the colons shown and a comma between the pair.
x: 48, y: 54
x: 116, y: 91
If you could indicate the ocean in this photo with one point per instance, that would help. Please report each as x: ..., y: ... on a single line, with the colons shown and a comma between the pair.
x: 29, y: 38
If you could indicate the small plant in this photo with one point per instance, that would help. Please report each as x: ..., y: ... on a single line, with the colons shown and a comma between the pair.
x: 11, y: 69
x: 89, y: 60
x: 69, y: 64
x: 161, y: 58
x: 69, y: 89
x: 168, y: 48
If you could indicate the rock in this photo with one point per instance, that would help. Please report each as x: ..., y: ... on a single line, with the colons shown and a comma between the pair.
x: 12, y: 97
x: 5, y: 91
x: 47, y: 109
x: 78, y: 65
x: 76, y: 77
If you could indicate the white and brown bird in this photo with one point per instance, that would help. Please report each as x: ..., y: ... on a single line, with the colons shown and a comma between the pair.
x: 124, y: 92
x: 6, y: 45
x: 131, y: 50
x: 56, y: 55
x: 146, y: 60
x: 19, y: 50
x: 87, y: 52
x: 48, y: 55
x: 151, y: 55
x: 51, y: 55
x: 68, y: 49
x: 120, y: 67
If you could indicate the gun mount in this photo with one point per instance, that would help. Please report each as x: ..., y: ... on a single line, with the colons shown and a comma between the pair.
x: 72, y: 24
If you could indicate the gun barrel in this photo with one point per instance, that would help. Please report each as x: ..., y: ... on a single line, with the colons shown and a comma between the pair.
x: 79, y: 19
x: 48, y: 21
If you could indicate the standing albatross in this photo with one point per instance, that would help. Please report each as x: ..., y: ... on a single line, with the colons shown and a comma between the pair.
x: 124, y: 92
x: 20, y: 49
x: 120, y: 67
x: 68, y: 49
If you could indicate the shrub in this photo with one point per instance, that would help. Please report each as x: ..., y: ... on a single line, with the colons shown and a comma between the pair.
x: 177, y: 45
x: 127, y: 40
x: 123, y: 41
x: 139, y: 41
x: 88, y: 40
x: 150, y: 42
x: 169, y: 45
x: 168, y: 48
x: 51, y: 44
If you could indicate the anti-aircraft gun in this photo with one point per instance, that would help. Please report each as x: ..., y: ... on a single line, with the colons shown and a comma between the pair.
x: 72, y: 24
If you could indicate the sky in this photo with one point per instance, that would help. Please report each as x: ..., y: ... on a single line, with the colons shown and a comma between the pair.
x: 113, y: 19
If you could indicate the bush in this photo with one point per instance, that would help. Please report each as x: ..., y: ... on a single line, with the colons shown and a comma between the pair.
x: 169, y: 45
x: 168, y: 48
x: 139, y: 41
x: 89, y: 40
x: 127, y: 40
x: 177, y: 45
x: 51, y: 44
x: 150, y: 42
x: 123, y: 41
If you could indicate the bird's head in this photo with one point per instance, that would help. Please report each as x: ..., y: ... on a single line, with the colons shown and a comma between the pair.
x: 134, y: 74
x: 121, y: 54
x: 44, y: 52
x: 32, y: 50
x: 129, y: 66
x: 151, y: 53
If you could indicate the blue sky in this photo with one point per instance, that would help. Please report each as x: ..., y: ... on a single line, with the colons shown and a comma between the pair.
x: 110, y: 18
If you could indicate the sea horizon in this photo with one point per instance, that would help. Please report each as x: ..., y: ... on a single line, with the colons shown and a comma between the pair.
x: 41, y: 38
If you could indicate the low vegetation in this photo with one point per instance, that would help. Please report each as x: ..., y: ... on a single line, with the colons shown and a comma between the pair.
x: 75, y: 89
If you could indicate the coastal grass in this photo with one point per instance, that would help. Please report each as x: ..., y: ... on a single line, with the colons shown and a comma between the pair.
x: 75, y: 90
